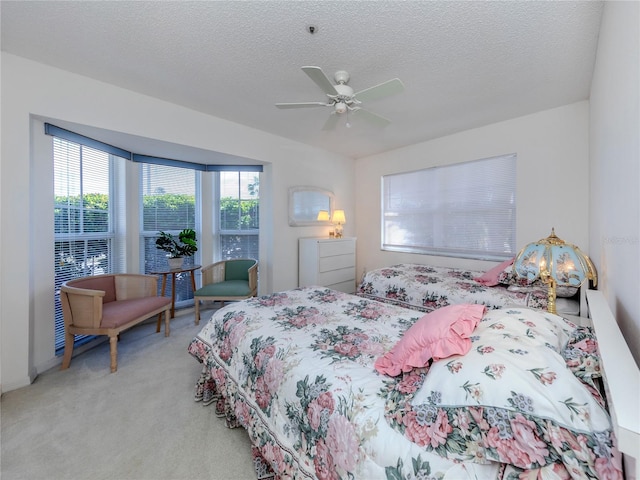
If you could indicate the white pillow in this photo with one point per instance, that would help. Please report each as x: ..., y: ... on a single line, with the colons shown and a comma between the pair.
x: 513, y: 398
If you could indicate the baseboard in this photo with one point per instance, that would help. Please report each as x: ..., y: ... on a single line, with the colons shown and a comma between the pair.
x: 7, y: 387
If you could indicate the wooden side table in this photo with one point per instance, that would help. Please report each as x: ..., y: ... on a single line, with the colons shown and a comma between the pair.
x: 173, y: 272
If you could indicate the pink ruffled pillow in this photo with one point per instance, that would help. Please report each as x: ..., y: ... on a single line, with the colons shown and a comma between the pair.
x: 439, y: 334
x: 490, y: 277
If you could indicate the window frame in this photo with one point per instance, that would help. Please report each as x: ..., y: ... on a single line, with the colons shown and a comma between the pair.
x: 220, y: 232
x: 184, y: 291
x: 109, y: 236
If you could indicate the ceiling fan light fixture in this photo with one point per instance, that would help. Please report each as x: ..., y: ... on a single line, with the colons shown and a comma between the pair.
x: 343, y: 99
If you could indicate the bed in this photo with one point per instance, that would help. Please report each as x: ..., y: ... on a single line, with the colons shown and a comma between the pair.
x: 426, y: 287
x: 299, y: 370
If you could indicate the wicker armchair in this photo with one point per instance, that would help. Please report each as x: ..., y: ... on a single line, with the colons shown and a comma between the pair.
x: 107, y: 305
x: 227, y: 280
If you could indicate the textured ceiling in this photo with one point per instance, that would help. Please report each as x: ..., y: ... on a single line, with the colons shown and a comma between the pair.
x: 463, y: 64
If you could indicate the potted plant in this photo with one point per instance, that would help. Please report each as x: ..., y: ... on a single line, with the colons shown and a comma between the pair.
x: 177, y: 248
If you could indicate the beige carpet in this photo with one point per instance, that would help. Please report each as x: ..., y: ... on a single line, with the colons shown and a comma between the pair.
x: 136, y: 424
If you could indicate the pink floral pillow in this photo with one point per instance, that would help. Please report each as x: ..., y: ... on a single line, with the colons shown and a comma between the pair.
x: 523, y: 284
x: 490, y: 277
x: 438, y: 334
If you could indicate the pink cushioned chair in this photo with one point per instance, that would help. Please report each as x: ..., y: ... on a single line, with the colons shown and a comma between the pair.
x: 107, y: 305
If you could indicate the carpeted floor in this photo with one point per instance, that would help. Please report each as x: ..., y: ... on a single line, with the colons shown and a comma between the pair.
x: 136, y: 424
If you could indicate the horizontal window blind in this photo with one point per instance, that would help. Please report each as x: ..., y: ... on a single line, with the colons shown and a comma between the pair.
x: 82, y: 219
x: 168, y: 197
x: 464, y: 210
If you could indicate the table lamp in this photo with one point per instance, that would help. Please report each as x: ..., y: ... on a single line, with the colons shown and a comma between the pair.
x: 323, y: 216
x: 338, y: 220
x: 556, y: 263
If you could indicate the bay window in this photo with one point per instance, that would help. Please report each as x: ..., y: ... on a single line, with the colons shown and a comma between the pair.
x: 94, y: 226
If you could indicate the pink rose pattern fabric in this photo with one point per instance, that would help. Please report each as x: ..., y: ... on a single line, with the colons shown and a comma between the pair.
x: 527, y: 414
x: 425, y: 288
x: 295, y: 369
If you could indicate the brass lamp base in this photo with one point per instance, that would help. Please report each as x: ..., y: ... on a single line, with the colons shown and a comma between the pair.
x: 551, y: 293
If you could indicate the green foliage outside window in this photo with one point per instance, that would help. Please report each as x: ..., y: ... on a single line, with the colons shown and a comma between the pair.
x: 238, y: 214
x: 234, y: 214
x: 172, y: 211
x: 74, y: 216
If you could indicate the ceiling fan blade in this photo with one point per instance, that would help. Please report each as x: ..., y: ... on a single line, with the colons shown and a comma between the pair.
x: 371, y: 117
x: 385, y: 89
x: 317, y: 75
x: 302, y: 105
x: 331, y: 122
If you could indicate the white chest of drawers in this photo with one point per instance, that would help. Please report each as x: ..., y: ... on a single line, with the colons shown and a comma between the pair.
x: 328, y: 262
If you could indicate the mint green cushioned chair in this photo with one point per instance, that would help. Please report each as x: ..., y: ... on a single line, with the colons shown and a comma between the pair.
x: 227, y: 280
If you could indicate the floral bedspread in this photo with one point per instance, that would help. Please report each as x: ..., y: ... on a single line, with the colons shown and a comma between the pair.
x: 425, y: 288
x: 295, y: 369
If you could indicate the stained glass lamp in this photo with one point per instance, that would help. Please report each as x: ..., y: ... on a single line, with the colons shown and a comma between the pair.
x: 556, y: 263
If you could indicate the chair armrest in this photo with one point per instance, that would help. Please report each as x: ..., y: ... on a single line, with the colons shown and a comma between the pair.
x: 81, y: 307
x: 131, y: 285
x: 253, y: 279
x: 82, y: 291
x: 213, y: 273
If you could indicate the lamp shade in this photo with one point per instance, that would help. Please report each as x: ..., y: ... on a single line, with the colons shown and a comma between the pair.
x: 338, y: 217
x: 556, y: 263
x: 552, y: 256
x: 323, y: 216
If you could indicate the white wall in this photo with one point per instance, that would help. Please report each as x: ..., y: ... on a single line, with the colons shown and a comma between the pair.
x: 31, y: 91
x: 615, y: 166
x: 552, y: 180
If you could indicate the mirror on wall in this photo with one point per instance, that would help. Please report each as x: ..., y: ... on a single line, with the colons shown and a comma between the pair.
x: 306, y: 202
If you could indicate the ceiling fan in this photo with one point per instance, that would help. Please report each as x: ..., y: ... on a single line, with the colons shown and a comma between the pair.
x: 343, y: 100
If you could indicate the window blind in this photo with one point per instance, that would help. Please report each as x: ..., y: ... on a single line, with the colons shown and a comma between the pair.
x: 83, y: 224
x: 168, y: 196
x: 463, y: 210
